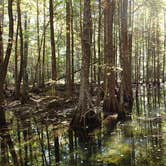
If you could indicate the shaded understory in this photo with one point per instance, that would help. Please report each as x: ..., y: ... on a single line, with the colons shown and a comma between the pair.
x: 41, y: 135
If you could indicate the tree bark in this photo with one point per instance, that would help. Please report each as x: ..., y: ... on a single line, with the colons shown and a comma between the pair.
x: 38, y: 71
x: 125, y: 59
x: 44, y: 45
x: 86, y: 39
x: 16, y: 58
x: 53, y: 51
x: 5, y: 61
x: 99, y: 44
x: 164, y: 57
x: 72, y: 43
x: 83, y: 116
x: 1, y: 50
x: 3, y: 72
x: 110, y: 98
x: 25, y: 94
x: 68, y: 44
x: 21, y: 50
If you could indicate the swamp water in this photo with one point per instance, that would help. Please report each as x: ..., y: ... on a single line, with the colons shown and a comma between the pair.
x: 138, y: 142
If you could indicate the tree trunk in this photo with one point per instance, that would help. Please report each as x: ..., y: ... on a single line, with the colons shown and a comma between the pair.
x: 3, y: 72
x: 164, y: 57
x: 16, y: 59
x: 5, y: 61
x: 83, y: 115
x: 53, y: 58
x: 1, y: 50
x: 44, y: 45
x: 99, y: 44
x: 110, y: 98
x: 72, y: 43
x: 125, y: 59
x: 25, y: 96
x: 94, y: 53
x: 86, y: 39
x: 38, y: 71
x: 21, y: 50
x: 68, y: 44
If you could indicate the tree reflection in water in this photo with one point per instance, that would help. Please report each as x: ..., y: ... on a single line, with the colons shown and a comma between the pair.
x: 140, y: 141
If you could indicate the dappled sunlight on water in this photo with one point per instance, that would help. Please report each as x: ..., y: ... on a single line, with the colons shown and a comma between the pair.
x: 140, y: 141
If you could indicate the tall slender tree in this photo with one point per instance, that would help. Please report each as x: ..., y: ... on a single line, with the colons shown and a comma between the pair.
x: 4, y: 61
x: 1, y: 48
x: 44, y: 43
x: 3, y: 72
x: 72, y: 42
x: 99, y: 42
x: 38, y: 71
x: 25, y: 73
x: 164, y: 57
x: 68, y: 46
x: 20, y: 75
x: 53, y: 51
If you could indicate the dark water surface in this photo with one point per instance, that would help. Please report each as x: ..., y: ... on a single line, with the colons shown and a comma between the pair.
x: 138, y: 142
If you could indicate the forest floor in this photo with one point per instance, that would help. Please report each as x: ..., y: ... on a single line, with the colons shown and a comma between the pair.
x: 43, y: 108
x: 51, y: 106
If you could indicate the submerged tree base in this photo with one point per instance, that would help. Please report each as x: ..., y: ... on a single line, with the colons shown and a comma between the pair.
x: 110, y: 107
x: 87, y: 120
x: 128, y: 104
x: 115, y: 108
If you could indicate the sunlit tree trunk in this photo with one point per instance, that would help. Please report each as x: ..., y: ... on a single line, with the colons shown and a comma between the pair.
x: 153, y: 47
x: 148, y: 59
x: 20, y: 75
x: 86, y: 39
x: 25, y: 86
x: 130, y: 39
x: 158, y: 48
x: 38, y: 71
x: 44, y: 45
x: 164, y: 57
x: 99, y: 42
